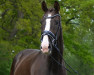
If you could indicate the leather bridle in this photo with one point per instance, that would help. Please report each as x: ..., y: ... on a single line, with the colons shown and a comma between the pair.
x: 53, y: 39
x: 51, y: 35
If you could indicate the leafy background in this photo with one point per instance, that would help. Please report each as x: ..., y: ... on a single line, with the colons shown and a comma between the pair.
x: 20, y: 29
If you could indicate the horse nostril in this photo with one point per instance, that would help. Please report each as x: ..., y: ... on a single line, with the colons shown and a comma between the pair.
x: 49, y: 46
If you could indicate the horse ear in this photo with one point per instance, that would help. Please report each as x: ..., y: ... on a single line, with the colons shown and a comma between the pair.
x: 44, y: 6
x: 56, y: 6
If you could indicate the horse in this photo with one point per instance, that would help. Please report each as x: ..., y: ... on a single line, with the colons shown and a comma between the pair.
x: 47, y: 60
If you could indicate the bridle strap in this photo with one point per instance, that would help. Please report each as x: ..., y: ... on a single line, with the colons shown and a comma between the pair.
x: 49, y: 33
x: 52, y: 16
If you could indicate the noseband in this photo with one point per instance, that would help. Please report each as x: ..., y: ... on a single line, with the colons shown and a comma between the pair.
x: 52, y: 37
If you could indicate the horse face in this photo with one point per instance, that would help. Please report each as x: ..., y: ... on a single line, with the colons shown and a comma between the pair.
x: 49, y: 23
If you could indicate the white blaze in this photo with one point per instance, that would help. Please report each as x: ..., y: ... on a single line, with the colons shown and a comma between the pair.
x: 48, y: 20
x: 45, y: 42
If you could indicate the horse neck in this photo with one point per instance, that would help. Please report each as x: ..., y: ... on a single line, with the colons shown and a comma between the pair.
x: 60, y: 43
x: 55, y: 56
x: 55, y: 53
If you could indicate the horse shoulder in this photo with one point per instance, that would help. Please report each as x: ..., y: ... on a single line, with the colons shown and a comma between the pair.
x: 20, y: 57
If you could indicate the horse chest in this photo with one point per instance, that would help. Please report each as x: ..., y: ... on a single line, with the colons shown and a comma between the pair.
x: 40, y: 66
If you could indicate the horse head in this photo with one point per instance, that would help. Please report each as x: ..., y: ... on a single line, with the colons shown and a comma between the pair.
x: 50, y: 27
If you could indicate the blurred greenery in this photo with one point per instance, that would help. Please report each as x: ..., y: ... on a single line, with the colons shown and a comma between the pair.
x: 20, y: 29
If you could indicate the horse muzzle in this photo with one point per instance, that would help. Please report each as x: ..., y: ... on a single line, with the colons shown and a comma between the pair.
x: 47, y: 40
x: 45, y: 44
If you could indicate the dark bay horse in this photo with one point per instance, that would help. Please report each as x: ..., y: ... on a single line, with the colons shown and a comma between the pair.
x: 44, y: 61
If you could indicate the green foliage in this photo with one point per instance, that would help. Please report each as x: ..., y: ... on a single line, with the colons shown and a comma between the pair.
x: 5, y: 55
x: 20, y: 29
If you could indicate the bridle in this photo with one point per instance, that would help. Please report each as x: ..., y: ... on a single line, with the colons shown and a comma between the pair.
x: 51, y: 35
x: 53, y: 39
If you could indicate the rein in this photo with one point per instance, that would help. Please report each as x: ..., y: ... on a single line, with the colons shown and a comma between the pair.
x: 64, y: 61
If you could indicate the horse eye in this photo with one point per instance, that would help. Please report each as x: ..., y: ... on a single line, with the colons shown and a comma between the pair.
x: 57, y: 22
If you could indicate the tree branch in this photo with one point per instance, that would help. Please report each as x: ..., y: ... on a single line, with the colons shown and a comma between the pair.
x: 74, y: 23
x: 5, y: 29
x: 69, y: 20
x: 3, y: 14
